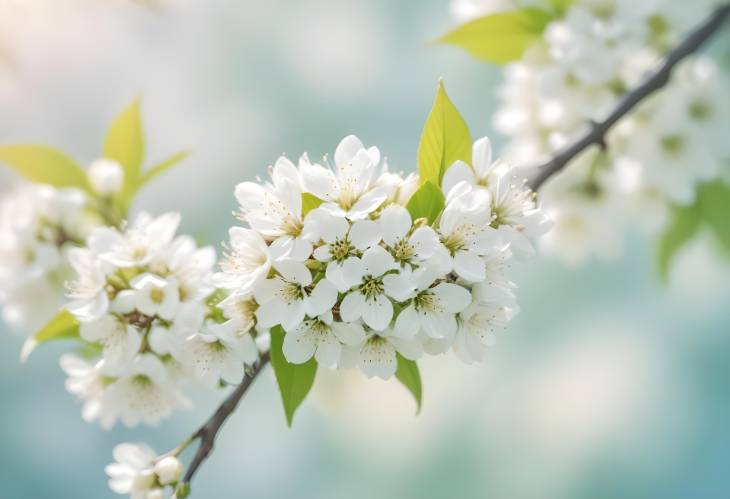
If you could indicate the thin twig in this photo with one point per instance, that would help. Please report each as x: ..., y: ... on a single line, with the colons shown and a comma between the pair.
x: 597, y: 133
x: 208, y: 432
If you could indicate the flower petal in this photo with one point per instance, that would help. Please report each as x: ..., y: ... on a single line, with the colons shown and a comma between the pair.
x: 352, y: 306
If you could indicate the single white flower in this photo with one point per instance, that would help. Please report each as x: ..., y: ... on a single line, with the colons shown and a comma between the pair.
x: 145, y: 393
x: 274, y: 209
x: 513, y: 211
x: 377, y: 355
x: 370, y: 299
x: 433, y: 310
x: 88, y: 294
x: 133, y: 472
x: 351, y: 189
x: 342, y: 245
x: 106, y: 177
x: 155, y: 296
x: 138, y: 244
x: 322, y: 338
x: 247, y: 262
x: 86, y: 382
x: 216, y: 354
x: 120, y: 341
x: 465, y: 231
x: 478, y: 324
x: 290, y: 296
x: 407, y: 245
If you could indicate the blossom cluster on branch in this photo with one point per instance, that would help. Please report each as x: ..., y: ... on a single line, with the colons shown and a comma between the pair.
x: 358, y: 279
x: 583, y: 57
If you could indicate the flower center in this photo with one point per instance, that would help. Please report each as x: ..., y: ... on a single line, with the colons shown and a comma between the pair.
x: 290, y: 292
x: 246, y: 309
x: 371, y: 286
x: 403, y: 250
x: 157, y: 295
x: 459, y: 236
x: 427, y: 301
x: 341, y: 249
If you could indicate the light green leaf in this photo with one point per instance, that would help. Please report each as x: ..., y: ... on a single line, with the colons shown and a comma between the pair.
x: 294, y: 380
x: 408, y: 374
x: 309, y: 202
x: 125, y: 144
x: 62, y: 326
x: 714, y: 200
x: 502, y: 37
x: 445, y: 139
x: 44, y: 165
x: 427, y: 202
x: 163, y: 166
x: 684, y: 224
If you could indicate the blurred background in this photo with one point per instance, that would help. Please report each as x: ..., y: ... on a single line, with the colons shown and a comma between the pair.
x: 609, y: 384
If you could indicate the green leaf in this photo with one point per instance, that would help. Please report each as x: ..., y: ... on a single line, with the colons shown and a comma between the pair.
x: 309, y: 202
x: 125, y: 144
x: 427, y: 202
x: 502, y: 37
x: 44, y: 165
x: 445, y: 139
x: 294, y: 380
x: 63, y: 326
x: 408, y: 374
x: 162, y: 167
x: 684, y: 224
x: 714, y: 200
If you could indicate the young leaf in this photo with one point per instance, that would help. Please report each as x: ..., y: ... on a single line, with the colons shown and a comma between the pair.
x: 294, y: 380
x: 502, y: 37
x: 427, y: 202
x: 714, y: 200
x: 125, y: 144
x: 62, y: 326
x: 408, y: 374
x: 44, y: 165
x: 445, y: 139
x: 309, y: 202
x: 684, y: 224
x: 162, y: 167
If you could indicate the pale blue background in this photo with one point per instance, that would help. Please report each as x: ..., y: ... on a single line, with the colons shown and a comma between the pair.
x: 607, y: 385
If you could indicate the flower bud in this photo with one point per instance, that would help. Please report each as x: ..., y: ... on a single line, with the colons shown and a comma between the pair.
x: 106, y: 177
x: 168, y: 470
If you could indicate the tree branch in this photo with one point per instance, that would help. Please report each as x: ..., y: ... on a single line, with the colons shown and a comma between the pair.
x: 597, y: 133
x: 209, y: 431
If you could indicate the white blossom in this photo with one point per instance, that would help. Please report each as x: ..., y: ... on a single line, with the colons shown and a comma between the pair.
x: 322, y: 338
x: 350, y: 189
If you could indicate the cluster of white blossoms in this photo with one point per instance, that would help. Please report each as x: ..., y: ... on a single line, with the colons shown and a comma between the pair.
x: 332, y: 255
x: 585, y: 62
x: 144, y: 299
x: 38, y: 225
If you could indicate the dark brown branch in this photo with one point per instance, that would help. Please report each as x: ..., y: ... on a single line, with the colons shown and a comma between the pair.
x: 597, y: 133
x: 208, y: 432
